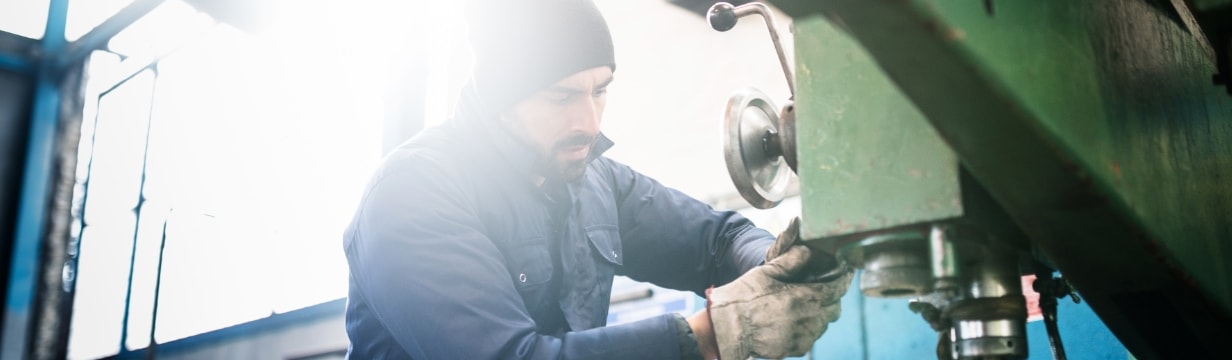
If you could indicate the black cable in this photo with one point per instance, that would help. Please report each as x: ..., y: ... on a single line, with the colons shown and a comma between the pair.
x: 1050, y: 289
x: 1048, y: 304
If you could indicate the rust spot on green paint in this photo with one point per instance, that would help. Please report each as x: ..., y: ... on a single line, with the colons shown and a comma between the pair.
x: 954, y: 34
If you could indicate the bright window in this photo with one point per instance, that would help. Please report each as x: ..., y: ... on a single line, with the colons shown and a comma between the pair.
x: 258, y: 147
x: 85, y: 15
x: 24, y: 17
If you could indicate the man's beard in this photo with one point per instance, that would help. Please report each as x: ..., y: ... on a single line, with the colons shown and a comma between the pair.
x: 561, y: 170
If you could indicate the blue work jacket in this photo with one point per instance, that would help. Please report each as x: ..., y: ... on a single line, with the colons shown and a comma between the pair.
x: 455, y: 254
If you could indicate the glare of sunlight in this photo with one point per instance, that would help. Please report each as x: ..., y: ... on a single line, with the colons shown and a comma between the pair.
x: 259, y: 148
x: 449, y: 60
x: 169, y: 25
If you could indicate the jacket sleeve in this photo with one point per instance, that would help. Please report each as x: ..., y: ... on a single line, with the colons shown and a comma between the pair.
x: 420, y: 260
x: 676, y: 241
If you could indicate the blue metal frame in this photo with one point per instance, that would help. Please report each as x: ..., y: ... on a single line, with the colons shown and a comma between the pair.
x: 98, y: 38
x: 47, y: 71
x: 16, y: 63
x: 36, y: 190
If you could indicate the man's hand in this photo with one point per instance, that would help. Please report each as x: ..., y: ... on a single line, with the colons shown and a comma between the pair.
x: 775, y: 310
x: 821, y: 267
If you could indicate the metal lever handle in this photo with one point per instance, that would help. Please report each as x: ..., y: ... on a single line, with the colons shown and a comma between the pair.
x: 723, y: 16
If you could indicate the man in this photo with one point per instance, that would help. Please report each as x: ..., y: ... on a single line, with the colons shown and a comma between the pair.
x: 498, y: 233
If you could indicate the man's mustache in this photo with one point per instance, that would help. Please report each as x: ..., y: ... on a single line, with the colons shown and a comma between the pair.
x: 575, y: 141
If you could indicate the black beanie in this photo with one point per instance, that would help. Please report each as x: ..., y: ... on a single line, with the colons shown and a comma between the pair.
x: 523, y: 46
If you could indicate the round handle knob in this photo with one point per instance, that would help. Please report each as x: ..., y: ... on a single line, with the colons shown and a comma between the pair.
x: 722, y: 16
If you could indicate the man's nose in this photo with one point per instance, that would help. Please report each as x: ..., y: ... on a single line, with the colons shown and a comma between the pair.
x: 587, y: 115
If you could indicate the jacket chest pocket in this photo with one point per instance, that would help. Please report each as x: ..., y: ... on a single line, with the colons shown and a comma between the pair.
x: 530, y: 267
x: 590, y: 285
x: 607, y: 257
x: 605, y: 244
x: 599, y: 215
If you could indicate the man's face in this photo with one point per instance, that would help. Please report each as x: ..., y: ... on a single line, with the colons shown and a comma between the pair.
x: 562, y: 121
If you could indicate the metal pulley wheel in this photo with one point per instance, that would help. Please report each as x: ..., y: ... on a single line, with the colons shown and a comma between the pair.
x: 754, y: 141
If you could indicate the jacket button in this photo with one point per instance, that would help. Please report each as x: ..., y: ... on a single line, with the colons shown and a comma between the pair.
x: 522, y: 277
x: 614, y: 254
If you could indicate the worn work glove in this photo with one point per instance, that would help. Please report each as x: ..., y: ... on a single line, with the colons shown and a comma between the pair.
x: 769, y: 312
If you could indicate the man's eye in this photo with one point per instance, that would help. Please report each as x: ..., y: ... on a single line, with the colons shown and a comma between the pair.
x: 560, y: 99
x: 599, y: 92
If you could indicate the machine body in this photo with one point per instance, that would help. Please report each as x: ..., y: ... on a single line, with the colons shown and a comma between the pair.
x: 948, y: 148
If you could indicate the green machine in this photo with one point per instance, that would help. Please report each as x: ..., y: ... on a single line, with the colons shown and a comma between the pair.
x: 946, y: 148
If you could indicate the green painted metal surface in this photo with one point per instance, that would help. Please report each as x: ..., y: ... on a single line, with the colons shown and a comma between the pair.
x: 1094, y: 123
x: 1205, y: 5
x: 868, y: 159
x: 1127, y: 92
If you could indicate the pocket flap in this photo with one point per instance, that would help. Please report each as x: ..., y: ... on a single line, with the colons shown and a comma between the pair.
x: 606, y: 242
